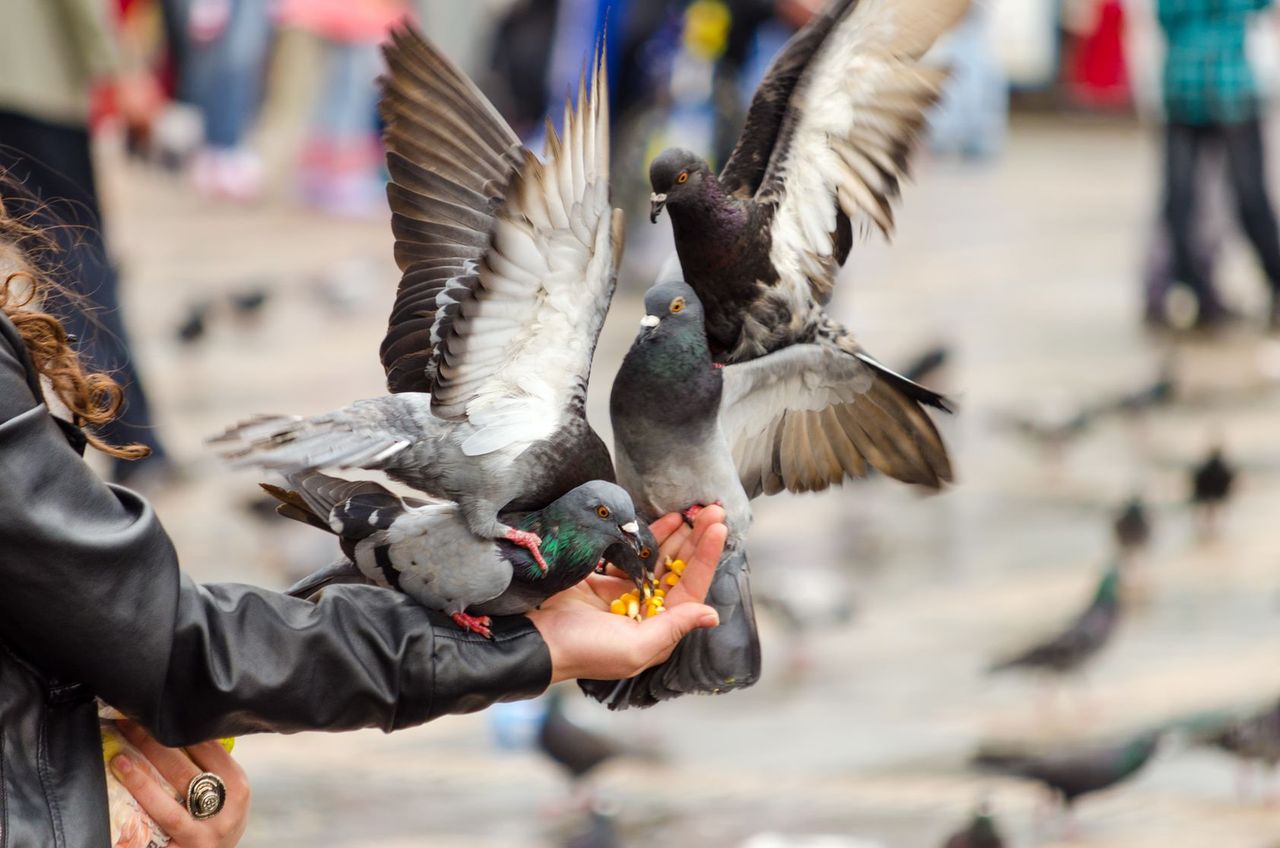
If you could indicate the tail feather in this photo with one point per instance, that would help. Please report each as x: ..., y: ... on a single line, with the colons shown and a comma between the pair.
x: 706, y: 661
x: 340, y: 572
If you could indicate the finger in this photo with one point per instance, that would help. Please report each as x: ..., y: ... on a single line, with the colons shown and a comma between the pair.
x: 152, y: 797
x: 174, y: 765
x: 707, y: 517
x: 700, y: 568
x: 212, y: 757
x: 660, y: 635
x: 665, y: 526
x: 671, y: 547
x: 608, y: 588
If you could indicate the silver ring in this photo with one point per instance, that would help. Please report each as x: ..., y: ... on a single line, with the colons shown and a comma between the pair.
x: 206, y: 794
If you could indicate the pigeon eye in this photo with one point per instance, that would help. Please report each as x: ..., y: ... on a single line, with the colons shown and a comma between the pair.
x: 677, y: 305
x: 603, y: 511
x: 683, y: 178
x: 646, y: 552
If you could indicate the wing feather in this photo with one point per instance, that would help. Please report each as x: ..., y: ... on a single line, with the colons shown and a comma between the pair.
x: 842, y: 143
x: 808, y: 416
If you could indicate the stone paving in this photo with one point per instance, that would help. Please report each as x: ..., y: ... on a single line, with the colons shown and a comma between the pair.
x: 869, y: 710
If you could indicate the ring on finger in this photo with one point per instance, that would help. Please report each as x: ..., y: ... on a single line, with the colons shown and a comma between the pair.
x: 206, y: 795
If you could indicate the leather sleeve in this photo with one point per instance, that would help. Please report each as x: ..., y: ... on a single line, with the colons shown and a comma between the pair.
x: 90, y: 593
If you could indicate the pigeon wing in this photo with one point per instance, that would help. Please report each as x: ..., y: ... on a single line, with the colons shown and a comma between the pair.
x: 843, y: 145
x: 516, y: 356
x: 450, y: 156
x: 806, y: 417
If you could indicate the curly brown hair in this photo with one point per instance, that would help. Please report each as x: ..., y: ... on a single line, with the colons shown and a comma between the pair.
x: 27, y: 254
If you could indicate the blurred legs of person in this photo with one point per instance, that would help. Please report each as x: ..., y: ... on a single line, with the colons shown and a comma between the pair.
x: 341, y: 163
x: 54, y: 163
x: 1246, y: 163
x: 225, y: 61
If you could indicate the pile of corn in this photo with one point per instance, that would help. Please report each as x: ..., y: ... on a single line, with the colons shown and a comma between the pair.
x: 633, y: 606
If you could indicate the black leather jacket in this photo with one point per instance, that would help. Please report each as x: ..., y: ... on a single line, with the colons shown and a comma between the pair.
x: 92, y: 603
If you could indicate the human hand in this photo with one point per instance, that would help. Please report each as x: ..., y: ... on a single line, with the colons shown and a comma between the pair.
x: 179, y: 766
x: 586, y: 640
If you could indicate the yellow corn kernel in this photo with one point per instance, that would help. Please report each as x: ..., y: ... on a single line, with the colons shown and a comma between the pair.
x: 652, y: 611
x: 660, y: 593
x: 618, y: 607
x: 677, y: 566
x: 671, y: 578
x: 227, y: 743
x: 633, y: 609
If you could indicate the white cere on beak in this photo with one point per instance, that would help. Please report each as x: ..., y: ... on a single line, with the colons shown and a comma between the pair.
x: 650, y: 321
x: 657, y: 198
x: 631, y: 527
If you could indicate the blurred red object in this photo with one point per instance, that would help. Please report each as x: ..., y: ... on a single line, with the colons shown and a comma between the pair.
x: 1098, y: 75
x: 344, y: 20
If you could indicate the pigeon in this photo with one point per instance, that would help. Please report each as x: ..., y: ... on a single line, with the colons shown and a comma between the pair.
x: 1255, y: 737
x: 425, y: 549
x: 688, y: 433
x: 1082, y: 639
x: 574, y: 748
x: 1132, y: 527
x: 825, y: 145
x: 509, y: 264
x: 1211, y: 485
x: 1069, y: 775
x: 981, y: 832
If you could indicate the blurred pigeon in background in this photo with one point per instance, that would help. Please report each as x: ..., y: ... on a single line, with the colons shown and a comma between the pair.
x: 981, y: 832
x: 1132, y: 528
x: 1073, y: 773
x: 1254, y: 738
x: 1211, y: 485
x: 1083, y: 637
x: 426, y: 550
x: 509, y: 268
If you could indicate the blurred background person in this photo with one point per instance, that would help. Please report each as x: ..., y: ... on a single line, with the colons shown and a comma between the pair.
x: 1211, y: 98
x: 972, y: 117
x: 51, y: 55
x: 224, y: 55
x: 340, y: 168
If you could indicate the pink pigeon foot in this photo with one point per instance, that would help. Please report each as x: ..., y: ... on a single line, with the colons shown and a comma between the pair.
x: 531, y: 542
x: 692, y: 512
x: 474, y: 623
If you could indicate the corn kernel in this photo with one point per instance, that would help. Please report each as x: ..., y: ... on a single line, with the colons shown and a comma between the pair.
x: 659, y: 593
x: 677, y: 566
x: 618, y: 607
x: 671, y: 578
x: 633, y: 609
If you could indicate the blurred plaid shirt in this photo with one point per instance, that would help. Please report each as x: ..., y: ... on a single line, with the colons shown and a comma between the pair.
x: 1207, y: 79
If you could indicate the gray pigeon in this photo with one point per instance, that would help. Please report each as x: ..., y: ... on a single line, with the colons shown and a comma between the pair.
x: 425, y: 549
x: 688, y: 432
x: 1081, y: 639
x: 826, y: 143
x: 509, y: 265
x: 1255, y: 737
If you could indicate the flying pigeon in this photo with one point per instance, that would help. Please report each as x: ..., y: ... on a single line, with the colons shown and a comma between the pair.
x: 1132, y: 527
x: 980, y: 832
x: 425, y: 549
x: 509, y: 264
x: 1082, y: 639
x: 825, y: 145
x: 1071, y: 774
x: 689, y: 433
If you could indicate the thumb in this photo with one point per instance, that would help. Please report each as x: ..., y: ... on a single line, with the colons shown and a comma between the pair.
x: 663, y: 632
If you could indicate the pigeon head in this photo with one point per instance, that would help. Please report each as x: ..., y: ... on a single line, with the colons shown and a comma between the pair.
x: 675, y: 176
x: 600, y: 514
x: 670, y: 307
x: 639, y: 564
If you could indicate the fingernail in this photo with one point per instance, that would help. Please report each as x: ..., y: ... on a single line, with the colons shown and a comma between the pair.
x: 121, y: 764
x: 711, y: 619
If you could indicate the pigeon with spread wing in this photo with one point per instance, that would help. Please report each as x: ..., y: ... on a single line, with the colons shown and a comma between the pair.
x: 826, y: 145
x: 509, y: 264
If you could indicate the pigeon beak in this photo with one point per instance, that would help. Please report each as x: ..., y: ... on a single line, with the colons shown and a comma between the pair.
x: 632, y: 531
x: 649, y: 326
x: 656, y: 202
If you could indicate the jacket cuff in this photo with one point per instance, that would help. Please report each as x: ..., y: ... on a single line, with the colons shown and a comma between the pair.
x: 471, y: 672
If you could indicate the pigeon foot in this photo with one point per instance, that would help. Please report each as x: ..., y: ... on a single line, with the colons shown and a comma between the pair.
x: 474, y: 623
x: 531, y: 542
x: 690, y: 513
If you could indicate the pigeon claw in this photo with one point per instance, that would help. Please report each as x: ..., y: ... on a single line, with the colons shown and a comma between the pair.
x: 531, y: 542
x: 691, y: 513
x: 481, y: 624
